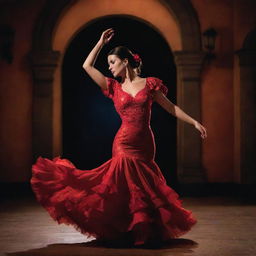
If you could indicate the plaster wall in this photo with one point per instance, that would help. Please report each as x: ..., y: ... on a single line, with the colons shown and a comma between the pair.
x: 232, y: 20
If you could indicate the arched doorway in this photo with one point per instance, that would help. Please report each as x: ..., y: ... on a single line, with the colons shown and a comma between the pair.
x: 89, y: 119
x: 188, y: 56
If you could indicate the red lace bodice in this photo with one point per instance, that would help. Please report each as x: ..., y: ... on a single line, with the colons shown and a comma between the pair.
x: 135, y: 136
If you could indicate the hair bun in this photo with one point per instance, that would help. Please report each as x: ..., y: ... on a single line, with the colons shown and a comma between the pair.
x: 134, y: 59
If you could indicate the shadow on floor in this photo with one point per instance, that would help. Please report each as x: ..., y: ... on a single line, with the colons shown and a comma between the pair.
x: 175, y: 247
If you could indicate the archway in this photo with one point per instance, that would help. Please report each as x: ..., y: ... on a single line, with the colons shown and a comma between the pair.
x: 188, y: 57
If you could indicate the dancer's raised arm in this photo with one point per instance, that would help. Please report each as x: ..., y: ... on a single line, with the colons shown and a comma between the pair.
x: 88, y: 64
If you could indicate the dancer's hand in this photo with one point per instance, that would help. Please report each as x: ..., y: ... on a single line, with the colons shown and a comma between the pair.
x: 201, y: 129
x: 106, y: 36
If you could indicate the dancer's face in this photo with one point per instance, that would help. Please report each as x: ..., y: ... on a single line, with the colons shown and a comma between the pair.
x: 116, y: 65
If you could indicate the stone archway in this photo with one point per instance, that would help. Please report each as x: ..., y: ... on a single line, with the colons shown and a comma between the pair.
x: 188, y: 60
x: 245, y: 105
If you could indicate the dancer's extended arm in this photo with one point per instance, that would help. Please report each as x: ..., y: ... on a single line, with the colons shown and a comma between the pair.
x: 88, y: 64
x: 173, y: 109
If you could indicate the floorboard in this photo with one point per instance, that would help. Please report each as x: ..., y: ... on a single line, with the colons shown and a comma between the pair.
x: 226, y: 227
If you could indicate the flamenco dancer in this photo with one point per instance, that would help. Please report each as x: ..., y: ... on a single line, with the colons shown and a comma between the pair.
x: 126, y: 198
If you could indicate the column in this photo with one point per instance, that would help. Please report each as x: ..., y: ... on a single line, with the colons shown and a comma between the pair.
x: 43, y: 67
x: 189, y: 155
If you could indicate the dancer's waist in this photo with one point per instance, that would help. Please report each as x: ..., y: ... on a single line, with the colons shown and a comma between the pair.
x: 136, y: 124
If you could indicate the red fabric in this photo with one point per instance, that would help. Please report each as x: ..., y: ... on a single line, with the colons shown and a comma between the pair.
x: 125, y: 195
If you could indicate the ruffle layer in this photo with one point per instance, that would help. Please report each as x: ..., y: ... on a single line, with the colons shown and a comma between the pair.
x: 156, y: 84
x: 122, y: 196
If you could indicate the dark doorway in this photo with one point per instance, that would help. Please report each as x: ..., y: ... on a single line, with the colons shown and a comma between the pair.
x: 90, y: 121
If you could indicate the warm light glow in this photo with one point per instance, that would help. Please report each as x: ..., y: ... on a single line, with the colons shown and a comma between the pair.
x: 82, y: 12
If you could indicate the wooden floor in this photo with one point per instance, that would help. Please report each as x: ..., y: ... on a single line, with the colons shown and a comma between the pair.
x: 226, y: 227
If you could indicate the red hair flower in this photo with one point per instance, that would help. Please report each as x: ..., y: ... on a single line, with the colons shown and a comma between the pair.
x: 136, y: 57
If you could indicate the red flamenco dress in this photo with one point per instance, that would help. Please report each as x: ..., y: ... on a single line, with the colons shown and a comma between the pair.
x: 127, y: 195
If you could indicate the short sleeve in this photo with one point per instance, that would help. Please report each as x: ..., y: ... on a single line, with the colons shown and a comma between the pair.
x: 109, y: 92
x: 156, y: 84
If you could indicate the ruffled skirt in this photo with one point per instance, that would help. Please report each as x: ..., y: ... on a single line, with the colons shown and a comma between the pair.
x: 123, y: 196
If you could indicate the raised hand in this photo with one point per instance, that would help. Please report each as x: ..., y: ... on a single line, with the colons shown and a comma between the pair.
x: 202, y: 130
x: 88, y: 64
x: 106, y: 36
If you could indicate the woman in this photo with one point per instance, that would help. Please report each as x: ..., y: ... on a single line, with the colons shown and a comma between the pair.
x: 125, y: 198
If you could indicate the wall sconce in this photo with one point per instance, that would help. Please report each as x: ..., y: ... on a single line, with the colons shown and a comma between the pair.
x: 209, y: 39
x: 6, y: 43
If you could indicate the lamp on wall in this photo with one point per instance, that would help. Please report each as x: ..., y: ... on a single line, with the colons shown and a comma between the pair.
x: 6, y: 43
x: 209, y: 39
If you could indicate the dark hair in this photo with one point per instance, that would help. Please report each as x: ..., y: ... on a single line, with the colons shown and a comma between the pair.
x: 123, y: 52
